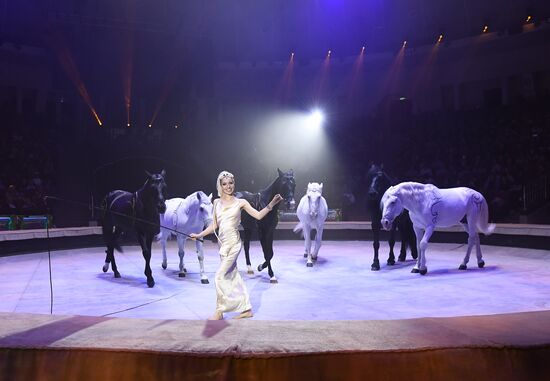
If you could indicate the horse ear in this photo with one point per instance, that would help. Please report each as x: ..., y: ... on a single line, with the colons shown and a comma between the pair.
x: 321, y: 186
x: 163, y: 172
x: 280, y: 172
x: 199, y: 196
x: 210, y: 196
x: 148, y: 174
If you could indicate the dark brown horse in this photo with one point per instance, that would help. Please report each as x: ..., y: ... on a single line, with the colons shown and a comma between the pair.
x: 378, y: 182
x: 284, y: 185
x: 139, y: 211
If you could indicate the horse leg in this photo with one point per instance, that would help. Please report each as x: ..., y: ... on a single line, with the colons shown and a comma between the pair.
x: 471, y: 230
x: 318, y: 242
x: 418, y: 233
x: 411, y: 241
x: 375, y: 243
x: 200, y: 256
x: 422, y: 269
x: 480, y: 261
x: 105, y: 267
x: 403, y: 237
x: 304, y: 229
x: 391, y: 242
x: 263, y: 243
x: 266, y: 239
x: 181, y: 254
x: 108, y: 238
x: 247, y: 236
x: 111, y: 254
x: 307, y: 242
x: 163, y: 240
x: 145, y: 241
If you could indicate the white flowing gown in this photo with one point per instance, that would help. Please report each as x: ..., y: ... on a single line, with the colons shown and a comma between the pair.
x: 232, y: 295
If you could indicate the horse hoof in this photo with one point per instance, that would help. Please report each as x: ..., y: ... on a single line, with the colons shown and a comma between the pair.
x: 182, y: 275
x: 375, y: 267
x: 462, y: 267
x: 402, y: 258
x: 273, y: 280
x: 260, y: 268
x: 151, y: 283
x: 481, y: 264
x: 117, y: 275
x: 415, y: 271
x: 105, y: 268
x: 391, y: 263
x: 424, y: 271
x: 164, y: 266
x: 205, y: 281
x: 309, y: 264
x: 314, y: 258
x: 305, y: 255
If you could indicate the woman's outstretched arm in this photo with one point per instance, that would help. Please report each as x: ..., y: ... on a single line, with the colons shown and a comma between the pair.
x: 262, y: 213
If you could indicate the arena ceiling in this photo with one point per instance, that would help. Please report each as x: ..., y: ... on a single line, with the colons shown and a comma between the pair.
x: 270, y: 29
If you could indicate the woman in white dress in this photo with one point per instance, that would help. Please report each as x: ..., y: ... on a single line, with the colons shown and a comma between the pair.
x: 231, y: 292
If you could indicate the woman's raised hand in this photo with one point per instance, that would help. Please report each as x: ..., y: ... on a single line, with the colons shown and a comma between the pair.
x: 276, y: 199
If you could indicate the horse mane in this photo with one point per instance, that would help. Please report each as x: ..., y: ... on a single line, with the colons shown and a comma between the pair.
x: 416, y: 191
x: 270, y: 186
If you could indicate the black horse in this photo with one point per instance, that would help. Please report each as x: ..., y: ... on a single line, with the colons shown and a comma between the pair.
x: 379, y: 182
x: 283, y: 185
x: 138, y: 211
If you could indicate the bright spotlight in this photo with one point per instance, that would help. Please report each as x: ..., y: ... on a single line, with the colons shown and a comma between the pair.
x: 316, y: 119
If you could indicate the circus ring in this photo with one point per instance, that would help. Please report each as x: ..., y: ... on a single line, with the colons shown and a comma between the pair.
x: 337, y: 320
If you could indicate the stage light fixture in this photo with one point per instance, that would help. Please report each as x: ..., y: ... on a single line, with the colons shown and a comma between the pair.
x: 405, y: 43
x: 440, y: 39
x: 316, y: 119
x: 529, y: 18
x: 485, y: 28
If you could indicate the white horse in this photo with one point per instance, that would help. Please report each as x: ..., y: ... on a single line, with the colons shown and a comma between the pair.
x: 429, y: 207
x: 186, y: 215
x: 312, y: 212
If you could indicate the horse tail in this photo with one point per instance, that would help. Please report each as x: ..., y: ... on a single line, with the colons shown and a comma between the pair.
x: 483, y: 221
x: 299, y: 226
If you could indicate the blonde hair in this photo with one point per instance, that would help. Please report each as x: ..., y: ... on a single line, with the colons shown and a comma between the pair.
x: 221, y: 176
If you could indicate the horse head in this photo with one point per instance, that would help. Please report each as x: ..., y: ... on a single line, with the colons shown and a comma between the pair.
x: 286, y: 186
x: 391, y: 206
x: 156, y: 187
x: 378, y: 182
x: 314, y: 192
x: 206, y: 208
